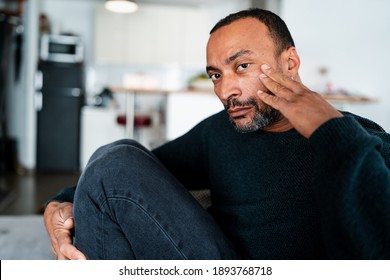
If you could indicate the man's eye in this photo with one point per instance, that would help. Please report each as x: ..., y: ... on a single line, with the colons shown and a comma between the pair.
x: 215, y: 76
x: 243, y: 66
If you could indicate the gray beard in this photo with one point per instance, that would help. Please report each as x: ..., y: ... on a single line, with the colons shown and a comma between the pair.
x: 264, y: 115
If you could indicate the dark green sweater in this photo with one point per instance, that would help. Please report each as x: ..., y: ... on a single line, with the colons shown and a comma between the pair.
x: 281, y: 196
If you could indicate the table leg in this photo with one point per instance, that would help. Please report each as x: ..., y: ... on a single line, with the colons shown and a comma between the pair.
x: 130, y: 113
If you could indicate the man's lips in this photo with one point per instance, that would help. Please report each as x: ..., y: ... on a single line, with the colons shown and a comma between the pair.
x: 237, y: 112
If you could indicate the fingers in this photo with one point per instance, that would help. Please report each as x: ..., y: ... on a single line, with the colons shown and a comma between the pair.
x: 280, y: 85
x: 70, y: 252
x: 270, y: 100
x: 66, y: 212
x: 59, y: 224
x: 65, y: 249
x: 306, y: 110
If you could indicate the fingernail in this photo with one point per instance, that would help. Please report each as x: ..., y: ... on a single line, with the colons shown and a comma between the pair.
x: 262, y: 76
x: 259, y: 91
x: 265, y: 67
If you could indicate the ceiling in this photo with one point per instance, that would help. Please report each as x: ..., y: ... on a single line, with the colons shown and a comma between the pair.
x: 182, y: 2
x: 194, y: 3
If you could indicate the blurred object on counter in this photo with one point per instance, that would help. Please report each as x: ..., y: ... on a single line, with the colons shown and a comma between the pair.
x: 102, y: 99
x: 140, y: 81
x: 202, y: 82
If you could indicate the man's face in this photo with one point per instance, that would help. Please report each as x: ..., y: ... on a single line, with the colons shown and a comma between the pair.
x: 234, y: 55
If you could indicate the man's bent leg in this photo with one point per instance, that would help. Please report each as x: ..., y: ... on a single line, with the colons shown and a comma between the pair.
x: 128, y: 206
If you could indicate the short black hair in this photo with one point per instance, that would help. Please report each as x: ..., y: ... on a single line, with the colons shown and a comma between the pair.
x: 276, y: 26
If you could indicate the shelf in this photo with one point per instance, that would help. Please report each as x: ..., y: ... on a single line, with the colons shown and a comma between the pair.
x: 348, y: 98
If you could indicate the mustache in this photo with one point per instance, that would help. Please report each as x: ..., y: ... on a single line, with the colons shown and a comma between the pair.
x: 237, y: 103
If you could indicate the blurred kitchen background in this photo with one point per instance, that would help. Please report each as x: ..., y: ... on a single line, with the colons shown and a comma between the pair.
x: 75, y: 76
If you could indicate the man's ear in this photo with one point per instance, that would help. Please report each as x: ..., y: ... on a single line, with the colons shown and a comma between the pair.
x: 291, y: 61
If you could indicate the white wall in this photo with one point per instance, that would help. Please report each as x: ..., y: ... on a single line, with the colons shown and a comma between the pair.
x: 76, y: 17
x: 218, y: 11
x: 22, y: 120
x: 352, y: 39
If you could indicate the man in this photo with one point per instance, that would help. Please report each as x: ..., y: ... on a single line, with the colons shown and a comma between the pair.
x: 290, y: 176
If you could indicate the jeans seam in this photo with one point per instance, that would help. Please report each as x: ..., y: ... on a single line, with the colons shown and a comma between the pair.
x: 103, y: 239
x: 144, y: 210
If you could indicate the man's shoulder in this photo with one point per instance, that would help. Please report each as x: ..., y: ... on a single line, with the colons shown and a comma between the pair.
x: 221, y: 115
x: 369, y: 125
x: 375, y: 129
x: 217, y: 118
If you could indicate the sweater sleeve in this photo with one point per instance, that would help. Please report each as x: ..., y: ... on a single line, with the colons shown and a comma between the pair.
x: 352, y: 188
x: 65, y: 195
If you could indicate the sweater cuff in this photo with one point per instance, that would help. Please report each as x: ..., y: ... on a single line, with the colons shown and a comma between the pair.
x: 65, y: 195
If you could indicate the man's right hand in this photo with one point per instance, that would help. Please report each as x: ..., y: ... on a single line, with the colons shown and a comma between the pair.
x: 306, y: 110
x: 59, y: 224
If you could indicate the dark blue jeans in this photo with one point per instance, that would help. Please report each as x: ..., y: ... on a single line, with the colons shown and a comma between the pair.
x: 128, y: 206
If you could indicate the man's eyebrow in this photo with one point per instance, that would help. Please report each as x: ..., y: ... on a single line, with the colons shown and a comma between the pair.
x: 230, y: 59
x: 211, y: 68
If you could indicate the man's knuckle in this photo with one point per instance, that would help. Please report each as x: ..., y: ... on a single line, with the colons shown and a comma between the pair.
x: 279, y: 88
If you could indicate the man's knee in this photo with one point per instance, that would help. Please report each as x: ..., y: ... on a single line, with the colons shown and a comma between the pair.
x: 122, y: 143
x: 115, y: 146
x: 116, y: 161
x: 123, y: 170
x: 101, y: 173
x: 118, y: 153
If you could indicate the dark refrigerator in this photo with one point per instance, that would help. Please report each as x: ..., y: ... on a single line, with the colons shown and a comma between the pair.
x: 10, y: 68
x: 59, y: 115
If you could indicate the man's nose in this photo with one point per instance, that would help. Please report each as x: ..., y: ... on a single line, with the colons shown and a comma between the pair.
x: 229, y: 88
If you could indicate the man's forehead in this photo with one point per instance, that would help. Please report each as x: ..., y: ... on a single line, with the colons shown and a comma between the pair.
x: 240, y: 31
x: 243, y: 34
x: 243, y: 25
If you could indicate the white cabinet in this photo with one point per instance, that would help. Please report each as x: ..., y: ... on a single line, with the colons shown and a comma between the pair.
x: 187, y: 109
x: 153, y: 35
x: 98, y: 127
